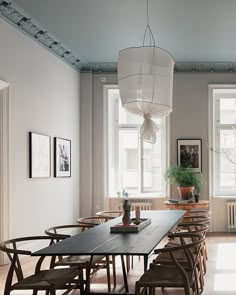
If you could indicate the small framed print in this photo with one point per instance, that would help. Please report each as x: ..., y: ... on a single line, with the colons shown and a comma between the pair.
x: 39, y: 155
x: 62, y: 157
x: 189, y: 154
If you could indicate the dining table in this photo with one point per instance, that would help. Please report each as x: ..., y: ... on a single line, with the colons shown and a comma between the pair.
x: 99, y: 240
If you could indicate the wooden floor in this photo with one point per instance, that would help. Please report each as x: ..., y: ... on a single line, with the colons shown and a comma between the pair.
x: 219, y: 280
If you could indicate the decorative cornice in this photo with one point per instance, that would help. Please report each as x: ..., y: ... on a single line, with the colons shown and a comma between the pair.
x: 205, y: 67
x: 19, y: 19
x: 180, y: 67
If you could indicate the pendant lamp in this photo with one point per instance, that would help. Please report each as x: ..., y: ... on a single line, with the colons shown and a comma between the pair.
x: 145, y: 76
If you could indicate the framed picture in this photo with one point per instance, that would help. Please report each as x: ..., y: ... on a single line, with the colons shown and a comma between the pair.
x: 39, y: 155
x: 189, y: 154
x: 62, y: 157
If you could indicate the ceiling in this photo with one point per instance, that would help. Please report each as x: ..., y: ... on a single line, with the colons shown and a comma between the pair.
x: 197, y: 33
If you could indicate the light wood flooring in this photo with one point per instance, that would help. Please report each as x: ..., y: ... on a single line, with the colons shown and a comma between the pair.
x: 219, y: 280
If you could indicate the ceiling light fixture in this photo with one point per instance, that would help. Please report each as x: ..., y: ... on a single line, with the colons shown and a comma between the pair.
x: 145, y: 76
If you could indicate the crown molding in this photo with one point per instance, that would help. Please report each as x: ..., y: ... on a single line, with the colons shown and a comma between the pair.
x: 180, y: 67
x: 14, y: 15
x: 10, y: 12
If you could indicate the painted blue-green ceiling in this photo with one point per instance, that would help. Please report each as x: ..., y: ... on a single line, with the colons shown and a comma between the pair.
x: 199, y: 34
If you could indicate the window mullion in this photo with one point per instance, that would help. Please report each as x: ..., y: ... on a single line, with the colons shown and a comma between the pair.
x: 140, y: 164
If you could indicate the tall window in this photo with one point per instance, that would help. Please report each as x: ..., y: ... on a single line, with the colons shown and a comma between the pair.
x: 224, y: 139
x: 132, y: 163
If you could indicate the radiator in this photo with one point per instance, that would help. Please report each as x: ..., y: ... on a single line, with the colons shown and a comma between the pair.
x: 143, y: 205
x: 231, y: 210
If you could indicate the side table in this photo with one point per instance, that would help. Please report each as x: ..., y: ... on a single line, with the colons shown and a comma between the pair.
x: 202, y: 204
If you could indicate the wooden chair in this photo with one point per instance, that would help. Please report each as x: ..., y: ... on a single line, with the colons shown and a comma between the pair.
x: 98, y: 262
x: 48, y: 280
x: 175, y: 240
x: 173, y: 274
x: 204, y: 218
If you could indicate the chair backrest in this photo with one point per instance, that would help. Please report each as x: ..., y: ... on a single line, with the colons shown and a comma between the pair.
x: 191, y: 249
x: 197, y: 218
x: 110, y: 214
x: 201, y: 212
x: 15, y: 248
x: 60, y: 232
x: 194, y: 227
x: 91, y: 221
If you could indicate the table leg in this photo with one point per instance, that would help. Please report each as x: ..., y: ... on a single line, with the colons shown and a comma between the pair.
x: 145, y: 260
x: 124, y: 274
x: 88, y: 271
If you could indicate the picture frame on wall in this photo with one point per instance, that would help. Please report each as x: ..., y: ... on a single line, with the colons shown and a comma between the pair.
x: 39, y: 155
x: 189, y: 154
x: 62, y: 157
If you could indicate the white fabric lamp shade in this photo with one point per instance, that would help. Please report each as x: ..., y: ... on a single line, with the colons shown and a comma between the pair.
x: 145, y: 77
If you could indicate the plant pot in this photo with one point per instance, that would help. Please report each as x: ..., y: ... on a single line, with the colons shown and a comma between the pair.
x: 184, y: 191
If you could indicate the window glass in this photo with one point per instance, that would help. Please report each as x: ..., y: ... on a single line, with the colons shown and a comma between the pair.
x: 224, y: 141
x: 152, y: 169
x: 227, y: 159
x: 228, y: 111
x: 133, y: 165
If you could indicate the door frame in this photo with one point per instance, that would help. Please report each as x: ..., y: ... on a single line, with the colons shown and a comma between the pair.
x: 4, y: 164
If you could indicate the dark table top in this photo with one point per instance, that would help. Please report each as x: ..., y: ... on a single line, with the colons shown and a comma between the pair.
x: 99, y: 240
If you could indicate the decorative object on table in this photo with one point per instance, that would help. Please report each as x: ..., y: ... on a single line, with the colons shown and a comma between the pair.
x: 131, y: 228
x: 196, y: 197
x: 39, y: 155
x: 62, y: 157
x: 189, y: 153
x: 137, y: 215
x: 185, y: 179
x: 123, y: 193
x: 126, y: 217
x: 145, y: 76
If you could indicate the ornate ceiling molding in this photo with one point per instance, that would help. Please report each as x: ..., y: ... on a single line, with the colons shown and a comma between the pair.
x: 18, y: 18
x: 14, y: 15
x: 180, y: 67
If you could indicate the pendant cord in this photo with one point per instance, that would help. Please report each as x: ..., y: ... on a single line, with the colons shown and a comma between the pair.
x: 147, y: 14
x: 148, y: 28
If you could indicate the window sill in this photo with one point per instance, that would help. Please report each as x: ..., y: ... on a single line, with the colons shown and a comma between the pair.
x: 225, y: 197
x: 143, y: 197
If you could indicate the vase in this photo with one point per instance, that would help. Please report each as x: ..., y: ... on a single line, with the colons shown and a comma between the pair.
x: 126, y: 217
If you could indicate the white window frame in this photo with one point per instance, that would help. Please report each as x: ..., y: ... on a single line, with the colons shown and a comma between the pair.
x: 213, y: 114
x: 165, y: 185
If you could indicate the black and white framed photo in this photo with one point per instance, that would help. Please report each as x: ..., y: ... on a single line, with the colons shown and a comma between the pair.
x: 189, y: 154
x: 39, y: 155
x: 62, y: 157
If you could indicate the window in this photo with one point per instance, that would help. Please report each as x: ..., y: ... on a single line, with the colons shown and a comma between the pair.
x: 132, y: 163
x: 223, y: 141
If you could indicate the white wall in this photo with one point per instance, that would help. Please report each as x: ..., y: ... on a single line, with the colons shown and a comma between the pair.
x: 189, y: 119
x: 44, y: 99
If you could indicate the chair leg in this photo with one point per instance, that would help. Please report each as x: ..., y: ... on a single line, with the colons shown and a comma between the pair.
x: 114, y: 270
x: 137, y: 290
x: 108, y: 273
x: 127, y: 263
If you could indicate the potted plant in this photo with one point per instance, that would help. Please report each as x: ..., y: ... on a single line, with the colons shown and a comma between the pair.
x: 186, y: 180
